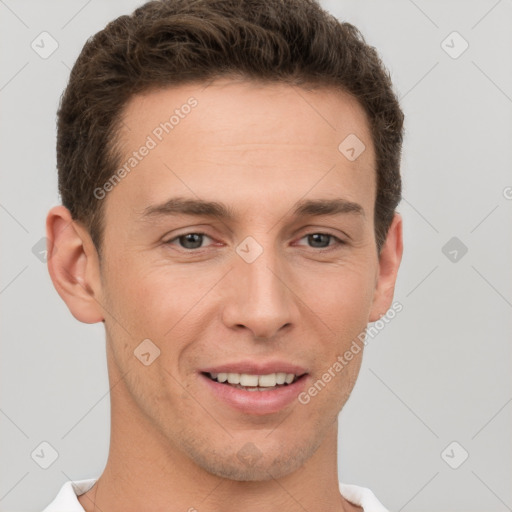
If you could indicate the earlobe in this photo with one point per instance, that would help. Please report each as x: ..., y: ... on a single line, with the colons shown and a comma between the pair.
x: 73, y: 265
x: 389, y: 262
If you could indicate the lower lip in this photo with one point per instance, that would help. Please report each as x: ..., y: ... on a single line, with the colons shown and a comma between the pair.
x: 256, y: 402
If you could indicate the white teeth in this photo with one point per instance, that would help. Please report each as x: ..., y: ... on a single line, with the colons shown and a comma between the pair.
x: 280, y: 378
x: 234, y: 378
x: 248, y: 380
x: 254, y: 381
x: 267, y: 381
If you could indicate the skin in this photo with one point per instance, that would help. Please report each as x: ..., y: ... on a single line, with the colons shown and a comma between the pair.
x: 259, y: 149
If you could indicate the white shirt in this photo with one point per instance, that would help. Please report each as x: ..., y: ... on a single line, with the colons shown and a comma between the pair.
x: 66, y: 500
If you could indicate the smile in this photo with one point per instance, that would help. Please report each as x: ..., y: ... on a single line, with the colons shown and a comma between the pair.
x: 250, y: 382
x: 254, y: 392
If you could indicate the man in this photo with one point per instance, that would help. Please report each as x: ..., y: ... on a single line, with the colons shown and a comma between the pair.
x: 229, y: 172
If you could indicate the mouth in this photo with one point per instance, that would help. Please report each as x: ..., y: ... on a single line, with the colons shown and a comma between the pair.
x: 255, y: 387
x: 253, y: 382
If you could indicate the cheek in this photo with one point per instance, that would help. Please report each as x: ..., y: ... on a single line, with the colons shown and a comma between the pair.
x: 341, y: 296
x: 162, y: 303
x: 329, y: 390
x: 149, y: 301
x: 342, y: 299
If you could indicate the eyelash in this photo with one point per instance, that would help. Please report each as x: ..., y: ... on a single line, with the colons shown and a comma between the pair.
x: 338, y: 241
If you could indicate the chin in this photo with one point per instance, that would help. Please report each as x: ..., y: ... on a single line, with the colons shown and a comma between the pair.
x: 249, y: 463
x: 260, y: 471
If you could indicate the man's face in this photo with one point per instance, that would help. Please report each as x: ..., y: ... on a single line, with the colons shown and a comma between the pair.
x: 289, y: 299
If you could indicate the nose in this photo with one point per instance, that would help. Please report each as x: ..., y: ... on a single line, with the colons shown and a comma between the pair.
x: 259, y: 298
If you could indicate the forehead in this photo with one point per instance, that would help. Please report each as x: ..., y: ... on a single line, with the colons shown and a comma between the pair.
x: 237, y: 140
x: 241, y: 108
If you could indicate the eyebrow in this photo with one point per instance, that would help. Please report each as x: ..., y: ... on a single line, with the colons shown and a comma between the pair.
x: 215, y: 209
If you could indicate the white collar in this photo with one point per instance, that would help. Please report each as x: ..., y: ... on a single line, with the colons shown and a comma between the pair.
x: 67, y: 501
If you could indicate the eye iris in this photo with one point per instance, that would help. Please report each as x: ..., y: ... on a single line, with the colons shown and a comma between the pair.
x: 191, y: 240
x: 319, y: 238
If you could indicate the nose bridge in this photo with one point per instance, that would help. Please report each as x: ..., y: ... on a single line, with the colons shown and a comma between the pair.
x: 260, y: 300
x: 262, y: 280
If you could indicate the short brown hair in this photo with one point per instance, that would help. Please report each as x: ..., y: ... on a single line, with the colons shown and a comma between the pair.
x: 171, y: 42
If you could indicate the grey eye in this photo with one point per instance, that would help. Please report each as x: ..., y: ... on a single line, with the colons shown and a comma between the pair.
x: 191, y: 240
x: 319, y: 239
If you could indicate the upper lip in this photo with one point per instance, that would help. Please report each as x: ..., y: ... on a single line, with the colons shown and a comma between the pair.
x: 255, y: 368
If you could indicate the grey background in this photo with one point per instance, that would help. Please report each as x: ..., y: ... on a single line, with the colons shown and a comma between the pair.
x: 438, y: 373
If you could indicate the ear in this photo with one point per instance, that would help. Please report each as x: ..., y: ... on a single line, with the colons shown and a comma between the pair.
x: 389, y: 261
x: 73, y: 264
